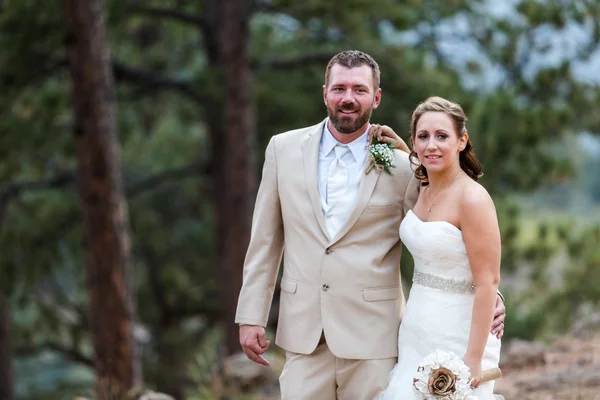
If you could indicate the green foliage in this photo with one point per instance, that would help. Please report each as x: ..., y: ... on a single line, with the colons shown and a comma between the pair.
x: 174, y: 85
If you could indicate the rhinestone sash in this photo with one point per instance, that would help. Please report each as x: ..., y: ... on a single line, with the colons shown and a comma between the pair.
x: 444, y: 284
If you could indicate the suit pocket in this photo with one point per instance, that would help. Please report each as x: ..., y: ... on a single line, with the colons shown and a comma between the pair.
x: 288, y: 285
x: 390, y: 209
x: 381, y: 293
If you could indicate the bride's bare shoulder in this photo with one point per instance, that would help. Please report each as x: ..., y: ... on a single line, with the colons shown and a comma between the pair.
x: 475, y: 197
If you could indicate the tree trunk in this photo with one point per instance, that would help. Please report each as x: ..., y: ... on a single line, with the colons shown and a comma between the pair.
x: 104, y: 207
x: 6, y: 356
x: 235, y: 186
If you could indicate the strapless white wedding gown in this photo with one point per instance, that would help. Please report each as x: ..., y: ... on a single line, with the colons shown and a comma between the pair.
x: 440, y: 304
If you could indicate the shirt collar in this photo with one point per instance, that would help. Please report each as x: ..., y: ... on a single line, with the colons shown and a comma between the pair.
x: 357, y: 146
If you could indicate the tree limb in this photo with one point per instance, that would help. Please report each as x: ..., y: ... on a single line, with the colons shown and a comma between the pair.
x: 267, y: 6
x: 70, y: 353
x: 173, y: 14
x: 290, y: 63
x: 63, y: 301
x: 183, y: 310
x: 153, y: 81
x: 190, y: 170
x: 121, y: 72
x: 13, y: 189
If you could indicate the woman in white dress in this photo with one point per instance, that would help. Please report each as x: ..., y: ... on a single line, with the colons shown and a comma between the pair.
x: 453, y: 236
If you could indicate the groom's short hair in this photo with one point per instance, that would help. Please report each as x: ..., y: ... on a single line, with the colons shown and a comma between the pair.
x: 353, y: 59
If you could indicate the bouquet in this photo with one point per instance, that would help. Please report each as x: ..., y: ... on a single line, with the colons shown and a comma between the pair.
x: 444, y: 376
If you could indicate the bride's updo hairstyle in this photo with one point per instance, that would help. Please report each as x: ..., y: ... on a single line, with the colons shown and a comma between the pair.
x: 468, y: 160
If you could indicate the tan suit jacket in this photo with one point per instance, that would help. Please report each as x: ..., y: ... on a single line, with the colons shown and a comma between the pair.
x: 349, y: 287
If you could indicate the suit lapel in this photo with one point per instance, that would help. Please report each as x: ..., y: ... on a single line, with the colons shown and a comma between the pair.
x: 311, y: 161
x: 367, y: 185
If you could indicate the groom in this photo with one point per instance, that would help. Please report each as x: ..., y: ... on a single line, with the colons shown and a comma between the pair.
x: 337, y: 229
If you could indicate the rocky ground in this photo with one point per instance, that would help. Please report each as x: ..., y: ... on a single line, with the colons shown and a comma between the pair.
x: 568, y: 369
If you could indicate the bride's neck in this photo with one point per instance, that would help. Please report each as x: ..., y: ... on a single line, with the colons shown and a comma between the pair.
x: 442, y: 179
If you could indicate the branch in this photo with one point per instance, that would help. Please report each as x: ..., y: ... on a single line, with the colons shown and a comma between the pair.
x: 15, y: 188
x: 183, y: 310
x: 63, y: 301
x: 170, y: 14
x: 70, y: 353
x: 268, y: 7
x: 131, y: 190
x: 124, y: 73
x: 290, y: 63
x: 190, y: 170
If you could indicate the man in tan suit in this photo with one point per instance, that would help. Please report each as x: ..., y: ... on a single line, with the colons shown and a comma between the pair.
x: 337, y: 230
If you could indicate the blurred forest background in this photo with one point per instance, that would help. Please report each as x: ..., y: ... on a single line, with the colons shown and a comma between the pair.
x: 132, y: 135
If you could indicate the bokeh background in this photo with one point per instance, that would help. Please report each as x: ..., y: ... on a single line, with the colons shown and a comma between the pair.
x: 132, y: 135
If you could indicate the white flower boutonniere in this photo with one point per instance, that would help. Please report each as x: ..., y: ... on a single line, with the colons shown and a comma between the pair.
x: 381, y: 157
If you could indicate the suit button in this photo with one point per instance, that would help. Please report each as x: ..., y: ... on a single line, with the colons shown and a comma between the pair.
x: 325, y: 287
x: 328, y: 251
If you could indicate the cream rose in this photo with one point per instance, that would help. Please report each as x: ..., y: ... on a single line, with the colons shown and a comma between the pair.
x: 442, y: 382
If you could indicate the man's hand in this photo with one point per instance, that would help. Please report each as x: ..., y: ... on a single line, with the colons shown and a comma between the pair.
x: 499, y: 316
x: 254, y: 343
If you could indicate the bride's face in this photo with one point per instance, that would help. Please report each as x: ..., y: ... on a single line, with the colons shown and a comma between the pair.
x: 436, y: 141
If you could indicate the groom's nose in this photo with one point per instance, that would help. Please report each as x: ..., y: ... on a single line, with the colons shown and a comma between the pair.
x: 348, y: 97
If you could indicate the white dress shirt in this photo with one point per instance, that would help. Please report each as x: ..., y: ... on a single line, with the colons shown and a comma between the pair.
x: 337, y: 214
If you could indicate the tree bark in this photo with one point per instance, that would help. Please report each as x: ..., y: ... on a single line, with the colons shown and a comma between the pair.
x: 104, y: 208
x: 235, y: 187
x: 6, y: 351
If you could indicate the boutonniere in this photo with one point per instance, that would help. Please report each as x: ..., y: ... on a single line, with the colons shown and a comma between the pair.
x: 381, y: 157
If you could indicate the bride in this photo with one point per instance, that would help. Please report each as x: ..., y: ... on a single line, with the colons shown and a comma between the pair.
x: 453, y: 236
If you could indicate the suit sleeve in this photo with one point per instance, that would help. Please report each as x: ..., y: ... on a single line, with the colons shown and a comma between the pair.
x: 265, y: 249
x: 412, y: 194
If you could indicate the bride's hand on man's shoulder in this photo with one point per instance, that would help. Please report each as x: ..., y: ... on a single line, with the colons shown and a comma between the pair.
x: 385, y: 134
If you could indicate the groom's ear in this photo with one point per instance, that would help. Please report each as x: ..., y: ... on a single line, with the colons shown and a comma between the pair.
x: 325, y: 94
x: 377, y: 98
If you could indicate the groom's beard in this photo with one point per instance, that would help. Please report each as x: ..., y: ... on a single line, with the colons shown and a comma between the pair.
x: 348, y: 123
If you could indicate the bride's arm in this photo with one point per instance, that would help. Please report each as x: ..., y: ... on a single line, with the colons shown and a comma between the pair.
x: 385, y: 134
x: 481, y: 234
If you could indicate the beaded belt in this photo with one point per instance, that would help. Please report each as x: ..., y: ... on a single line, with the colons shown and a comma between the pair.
x: 444, y: 284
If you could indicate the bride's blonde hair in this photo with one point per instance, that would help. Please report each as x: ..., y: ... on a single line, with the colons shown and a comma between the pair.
x: 468, y: 160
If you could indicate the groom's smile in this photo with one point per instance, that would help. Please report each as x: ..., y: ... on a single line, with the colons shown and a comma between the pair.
x: 349, y: 112
x: 349, y: 108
